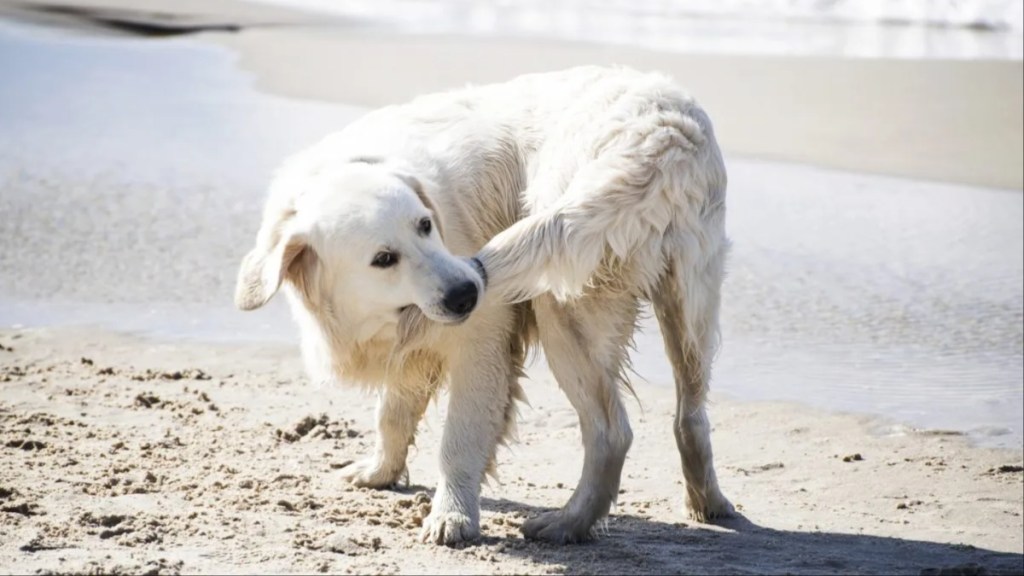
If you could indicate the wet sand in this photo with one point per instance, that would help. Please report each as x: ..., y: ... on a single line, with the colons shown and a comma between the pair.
x: 127, y: 210
x: 936, y: 120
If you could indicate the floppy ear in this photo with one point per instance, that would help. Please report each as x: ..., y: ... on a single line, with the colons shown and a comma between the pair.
x: 265, y: 267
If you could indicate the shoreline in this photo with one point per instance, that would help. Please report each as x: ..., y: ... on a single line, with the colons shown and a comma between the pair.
x: 205, y: 325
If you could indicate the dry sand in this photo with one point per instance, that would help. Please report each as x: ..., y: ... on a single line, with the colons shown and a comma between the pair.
x: 124, y: 455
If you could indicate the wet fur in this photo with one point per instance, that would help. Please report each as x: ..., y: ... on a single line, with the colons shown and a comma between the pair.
x: 581, y: 195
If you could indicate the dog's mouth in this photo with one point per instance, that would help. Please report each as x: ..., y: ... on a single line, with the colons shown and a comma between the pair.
x: 443, y: 319
x: 455, y: 321
x: 448, y: 320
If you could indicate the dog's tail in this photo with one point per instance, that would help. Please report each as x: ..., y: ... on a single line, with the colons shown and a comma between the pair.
x: 617, y: 208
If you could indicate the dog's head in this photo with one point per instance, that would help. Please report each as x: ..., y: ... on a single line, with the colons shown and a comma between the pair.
x: 360, y: 242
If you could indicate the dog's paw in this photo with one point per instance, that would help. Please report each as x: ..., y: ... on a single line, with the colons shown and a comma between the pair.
x: 449, y: 528
x: 709, y: 508
x: 557, y: 527
x: 369, y: 473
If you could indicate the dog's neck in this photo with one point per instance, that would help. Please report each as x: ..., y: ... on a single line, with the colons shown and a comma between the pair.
x: 367, y: 351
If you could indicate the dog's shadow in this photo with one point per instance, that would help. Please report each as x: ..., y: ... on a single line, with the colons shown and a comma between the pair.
x: 629, y: 544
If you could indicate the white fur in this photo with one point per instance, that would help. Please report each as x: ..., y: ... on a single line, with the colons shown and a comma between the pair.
x: 581, y: 193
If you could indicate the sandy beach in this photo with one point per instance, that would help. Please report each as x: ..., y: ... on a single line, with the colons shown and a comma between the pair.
x: 866, y: 406
x: 129, y: 456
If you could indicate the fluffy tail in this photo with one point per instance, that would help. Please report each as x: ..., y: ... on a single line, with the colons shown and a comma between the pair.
x: 617, y: 206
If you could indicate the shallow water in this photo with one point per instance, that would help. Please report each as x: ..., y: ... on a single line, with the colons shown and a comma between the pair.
x: 950, y: 29
x: 874, y: 294
x: 128, y: 198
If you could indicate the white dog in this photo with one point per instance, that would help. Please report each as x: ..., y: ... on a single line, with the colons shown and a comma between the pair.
x: 571, y: 197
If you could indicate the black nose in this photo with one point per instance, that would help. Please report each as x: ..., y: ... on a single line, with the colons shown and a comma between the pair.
x: 461, y: 299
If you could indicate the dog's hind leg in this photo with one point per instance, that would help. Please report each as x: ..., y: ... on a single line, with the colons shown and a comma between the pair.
x: 398, y: 414
x: 585, y: 342
x: 690, y: 330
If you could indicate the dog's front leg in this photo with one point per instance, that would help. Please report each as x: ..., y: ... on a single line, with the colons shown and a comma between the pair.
x: 480, y: 392
x: 398, y: 413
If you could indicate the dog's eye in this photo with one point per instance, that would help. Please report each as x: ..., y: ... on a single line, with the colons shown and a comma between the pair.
x: 384, y: 259
x: 424, y: 226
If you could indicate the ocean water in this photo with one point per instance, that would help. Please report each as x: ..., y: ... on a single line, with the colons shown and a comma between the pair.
x: 949, y: 29
x: 127, y: 200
